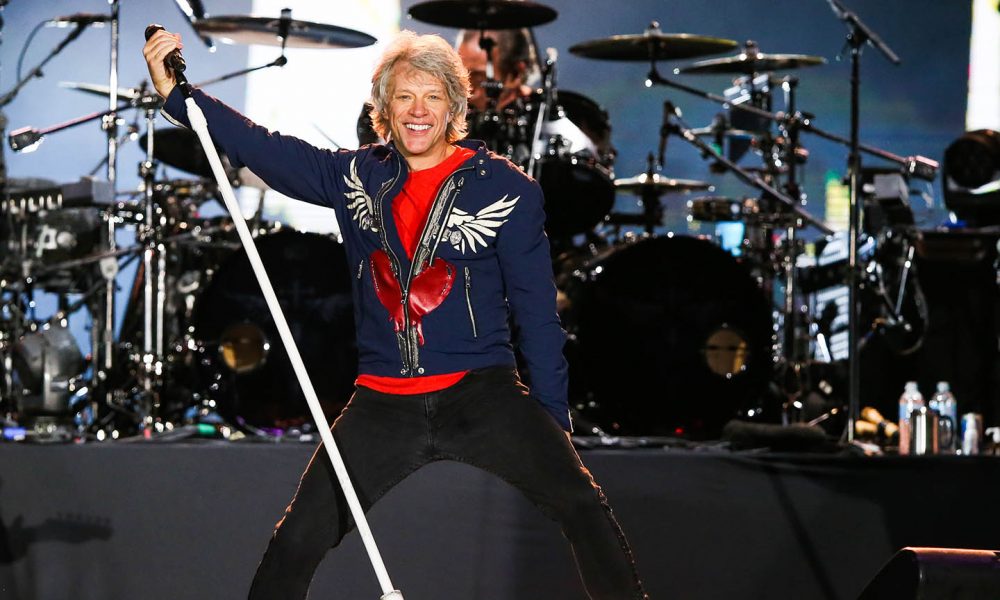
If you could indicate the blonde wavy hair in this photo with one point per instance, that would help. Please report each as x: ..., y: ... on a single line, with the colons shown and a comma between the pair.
x: 429, y: 54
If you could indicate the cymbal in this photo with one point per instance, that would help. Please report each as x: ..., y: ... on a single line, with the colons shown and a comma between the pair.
x: 652, y: 45
x: 238, y: 29
x: 483, y: 14
x: 750, y: 63
x: 124, y: 94
x: 644, y: 183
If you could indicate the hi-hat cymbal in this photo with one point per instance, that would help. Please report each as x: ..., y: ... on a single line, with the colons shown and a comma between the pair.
x: 644, y: 183
x: 652, y: 45
x: 238, y: 29
x: 483, y: 14
x: 124, y: 94
x: 750, y: 63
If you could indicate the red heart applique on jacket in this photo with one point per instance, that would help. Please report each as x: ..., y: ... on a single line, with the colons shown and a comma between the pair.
x: 427, y: 290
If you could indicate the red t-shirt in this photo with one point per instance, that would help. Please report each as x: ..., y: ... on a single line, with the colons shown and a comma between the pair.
x: 409, y: 210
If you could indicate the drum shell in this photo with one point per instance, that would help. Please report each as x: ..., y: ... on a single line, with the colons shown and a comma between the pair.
x: 646, y: 320
x: 311, y: 278
x: 574, y: 156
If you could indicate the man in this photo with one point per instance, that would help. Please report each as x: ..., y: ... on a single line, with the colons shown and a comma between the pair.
x: 515, y: 65
x: 515, y: 69
x: 447, y: 240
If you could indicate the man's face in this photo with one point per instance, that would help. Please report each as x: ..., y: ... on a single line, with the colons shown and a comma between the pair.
x: 474, y: 59
x: 418, y: 116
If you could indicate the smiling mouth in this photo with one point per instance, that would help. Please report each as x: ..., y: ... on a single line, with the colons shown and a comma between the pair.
x: 415, y: 127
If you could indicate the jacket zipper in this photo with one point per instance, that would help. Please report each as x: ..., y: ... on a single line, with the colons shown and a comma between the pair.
x: 361, y: 267
x: 468, y: 302
x: 407, y: 360
x: 411, y: 364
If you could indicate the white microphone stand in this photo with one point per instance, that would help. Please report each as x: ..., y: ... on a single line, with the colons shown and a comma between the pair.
x: 200, y: 126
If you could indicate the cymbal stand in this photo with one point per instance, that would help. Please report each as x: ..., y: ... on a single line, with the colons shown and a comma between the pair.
x: 3, y: 121
x: 548, y: 96
x: 792, y: 360
x: 154, y: 276
x: 104, y: 353
x: 858, y: 35
x: 6, y: 331
x: 492, y: 85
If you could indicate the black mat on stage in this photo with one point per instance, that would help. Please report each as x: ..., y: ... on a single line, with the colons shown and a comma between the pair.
x: 191, y: 520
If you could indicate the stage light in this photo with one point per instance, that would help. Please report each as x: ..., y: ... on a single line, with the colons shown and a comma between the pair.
x: 45, y: 363
x: 972, y: 177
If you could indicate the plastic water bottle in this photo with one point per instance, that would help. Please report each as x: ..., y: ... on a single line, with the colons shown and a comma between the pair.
x: 943, y: 401
x: 910, y: 400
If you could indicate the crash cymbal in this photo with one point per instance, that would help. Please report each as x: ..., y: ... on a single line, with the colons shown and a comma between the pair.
x: 652, y: 45
x: 124, y: 94
x: 238, y: 29
x: 644, y: 183
x: 483, y: 14
x: 749, y: 63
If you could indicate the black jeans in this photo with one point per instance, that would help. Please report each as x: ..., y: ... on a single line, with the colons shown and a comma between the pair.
x: 486, y: 420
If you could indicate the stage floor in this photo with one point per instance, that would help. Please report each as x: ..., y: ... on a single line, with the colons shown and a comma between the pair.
x: 190, y: 520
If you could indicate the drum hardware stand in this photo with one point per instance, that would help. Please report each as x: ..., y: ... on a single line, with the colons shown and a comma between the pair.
x: 677, y: 128
x: 548, y: 98
x: 652, y: 208
x: 795, y: 122
x: 791, y: 361
x: 859, y: 34
x: 278, y: 62
x: 917, y: 166
x: 794, y: 217
x: 154, y: 262
x: 7, y: 332
x: 104, y: 351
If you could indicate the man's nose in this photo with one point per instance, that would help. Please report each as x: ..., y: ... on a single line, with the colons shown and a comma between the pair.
x: 418, y: 107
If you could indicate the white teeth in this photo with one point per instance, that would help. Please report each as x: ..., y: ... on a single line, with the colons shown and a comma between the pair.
x: 417, y: 127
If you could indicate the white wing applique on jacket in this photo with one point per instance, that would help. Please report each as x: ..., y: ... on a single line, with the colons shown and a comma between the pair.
x: 359, y: 202
x: 468, y: 231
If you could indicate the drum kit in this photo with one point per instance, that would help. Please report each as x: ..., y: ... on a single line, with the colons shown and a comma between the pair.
x: 669, y: 335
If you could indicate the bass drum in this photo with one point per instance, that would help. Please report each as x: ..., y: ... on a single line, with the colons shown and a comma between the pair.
x: 670, y: 336
x: 243, y: 364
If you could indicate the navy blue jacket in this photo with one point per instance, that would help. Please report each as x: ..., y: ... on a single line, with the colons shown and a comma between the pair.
x: 486, y: 223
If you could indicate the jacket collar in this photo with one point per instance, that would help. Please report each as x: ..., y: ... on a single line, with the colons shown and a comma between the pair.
x: 481, y: 157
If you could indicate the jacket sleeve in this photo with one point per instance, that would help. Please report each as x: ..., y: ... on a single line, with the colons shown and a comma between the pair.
x: 526, y: 267
x: 288, y: 164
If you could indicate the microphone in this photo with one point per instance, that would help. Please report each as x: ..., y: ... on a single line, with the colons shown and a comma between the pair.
x: 668, y: 110
x: 719, y: 127
x: 79, y: 19
x: 25, y: 139
x: 174, y: 60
